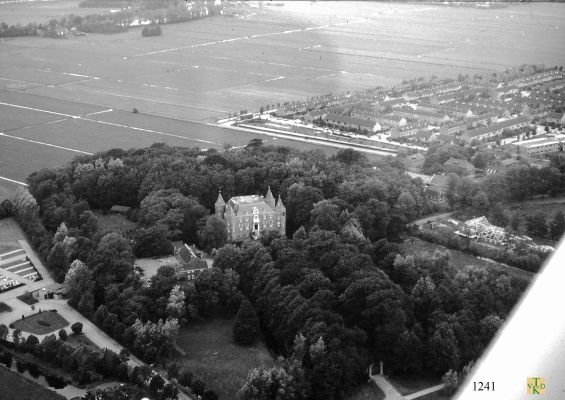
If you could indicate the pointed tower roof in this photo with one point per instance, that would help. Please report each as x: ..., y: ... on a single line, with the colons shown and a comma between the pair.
x: 280, y: 205
x: 269, y: 198
x: 220, y: 201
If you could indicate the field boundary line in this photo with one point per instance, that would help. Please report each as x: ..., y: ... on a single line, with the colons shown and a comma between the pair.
x: 45, y: 144
x: 38, y: 109
x: 13, y: 181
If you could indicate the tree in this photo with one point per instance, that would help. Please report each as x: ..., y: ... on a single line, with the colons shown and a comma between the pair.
x: 499, y: 216
x: 175, y: 306
x: 78, y: 282
x: 557, y: 226
x: 480, y: 201
x: 227, y: 257
x: 451, y: 381
x: 77, y: 328
x: 63, y: 334
x: 16, y: 336
x: 165, y: 207
x: 112, y: 261
x: 214, y: 234
x: 4, y: 331
x: 280, y: 383
x: 246, y: 325
x: 516, y: 221
x: 157, y: 383
x: 152, y: 241
x: 536, y: 225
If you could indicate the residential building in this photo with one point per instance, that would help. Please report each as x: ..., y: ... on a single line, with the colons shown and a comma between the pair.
x: 55, y: 291
x: 247, y: 216
x: 459, y: 167
x: 402, y: 131
x: 556, y: 118
x: 495, y: 129
x: 345, y: 122
x: 190, y: 260
x: 437, y: 188
x: 538, y: 147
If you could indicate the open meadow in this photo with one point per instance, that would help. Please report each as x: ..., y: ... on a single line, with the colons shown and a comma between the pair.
x: 62, y: 98
x: 212, y: 356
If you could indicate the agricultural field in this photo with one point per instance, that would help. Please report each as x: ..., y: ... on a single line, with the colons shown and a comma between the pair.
x: 212, y: 356
x: 63, y: 98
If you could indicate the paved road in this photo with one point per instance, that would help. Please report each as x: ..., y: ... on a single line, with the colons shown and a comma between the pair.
x: 425, y: 392
x: 390, y: 391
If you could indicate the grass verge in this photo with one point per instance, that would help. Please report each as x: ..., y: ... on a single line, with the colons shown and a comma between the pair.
x: 41, y: 323
x: 5, y: 307
x: 77, y: 340
x: 28, y: 299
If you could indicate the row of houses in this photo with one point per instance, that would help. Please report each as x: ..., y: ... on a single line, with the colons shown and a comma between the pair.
x: 495, y: 129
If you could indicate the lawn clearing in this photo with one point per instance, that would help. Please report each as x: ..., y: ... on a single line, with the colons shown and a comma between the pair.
x: 5, y: 307
x: 16, y: 387
x: 41, y: 323
x: 212, y: 356
x: 369, y: 391
x: 459, y: 259
x: 28, y: 299
x: 77, y: 340
x: 114, y: 223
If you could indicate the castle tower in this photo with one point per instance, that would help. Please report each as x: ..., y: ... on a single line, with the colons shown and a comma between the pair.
x: 280, y: 210
x: 220, y: 205
x: 269, y: 199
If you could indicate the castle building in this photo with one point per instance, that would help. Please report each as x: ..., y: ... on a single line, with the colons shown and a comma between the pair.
x: 247, y: 216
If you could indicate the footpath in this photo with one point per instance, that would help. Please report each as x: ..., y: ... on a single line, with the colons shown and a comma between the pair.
x: 391, y: 393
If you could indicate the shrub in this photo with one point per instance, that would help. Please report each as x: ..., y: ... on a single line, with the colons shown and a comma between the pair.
x: 151, y: 30
x: 76, y: 328
x: 246, y: 325
x: 63, y: 334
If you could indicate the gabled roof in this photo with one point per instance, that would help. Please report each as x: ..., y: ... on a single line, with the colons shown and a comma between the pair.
x: 438, y: 182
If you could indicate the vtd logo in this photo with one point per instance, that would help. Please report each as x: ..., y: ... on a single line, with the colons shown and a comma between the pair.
x: 536, y: 385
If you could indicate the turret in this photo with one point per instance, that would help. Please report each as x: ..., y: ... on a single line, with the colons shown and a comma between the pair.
x: 280, y: 206
x: 269, y: 199
x: 220, y: 205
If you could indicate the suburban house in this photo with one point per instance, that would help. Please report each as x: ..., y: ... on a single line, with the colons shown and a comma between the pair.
x: 190, y: 262
x: 495, y: 129
x: 122, y: 210
x: 402, y: 131
x: 314, y: 115
x: 55, y: 291
x: 556, y: 118
x: 422, y: 116
x: 345, y: 122
x: 509, y: 163
x: 248, y: 216
x: 535, y: 79
x: 459, y: 167
x: 437, y: 187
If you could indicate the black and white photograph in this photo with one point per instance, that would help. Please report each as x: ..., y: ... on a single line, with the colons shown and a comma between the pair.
x: 282, y: 200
